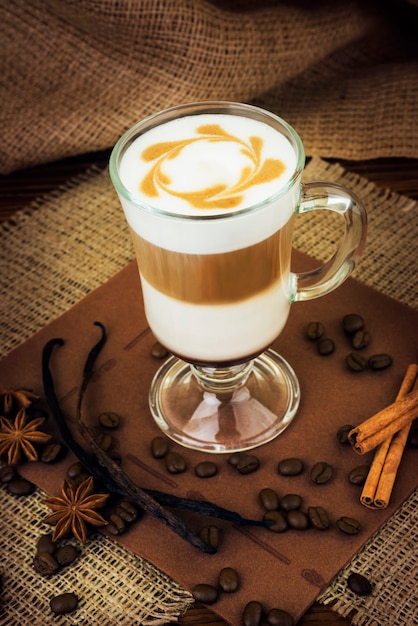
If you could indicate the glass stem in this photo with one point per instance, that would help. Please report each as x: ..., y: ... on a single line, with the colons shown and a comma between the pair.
x: 222, y: 381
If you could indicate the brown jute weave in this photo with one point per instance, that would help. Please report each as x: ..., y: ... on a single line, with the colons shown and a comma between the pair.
x: 75, y: 74
x: 66, y: 244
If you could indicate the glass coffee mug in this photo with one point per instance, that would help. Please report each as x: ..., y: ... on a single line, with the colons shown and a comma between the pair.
x: 210, y: 191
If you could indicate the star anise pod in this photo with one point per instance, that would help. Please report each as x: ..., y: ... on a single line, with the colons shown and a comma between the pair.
x: 75, y: 509
x: 16, y: 437
x: 12, y: 400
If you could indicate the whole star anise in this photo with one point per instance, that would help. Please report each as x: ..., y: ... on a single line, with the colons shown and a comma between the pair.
x: 12, y: 400
x: 75, y: 509
x: 16, y: 437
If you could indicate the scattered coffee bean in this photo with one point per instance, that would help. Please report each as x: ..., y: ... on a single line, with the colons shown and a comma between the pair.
x: 352, y: 323
x: 229, y: 580
x: 356, y: 362
x: 359, y: 584
x: 234, y: 458
x: 20, y: 487
x: 109, y: 419
x: 64, y: 603
x: 279, y: 617
x: 253, y: 613
x: 342, y: 433
x: 358, y: 475
x: 291, y: 502
x: 297, y: 520
x: 318, y: 517
x: 116, y: 525
x: 175, y: 463
x: 348, y: 525
x: 66, y: 554
x: 45, y: 544
x: 360, y: 339
x: 206, y: 469
x: 210, y: 535
x: 291, y: 467
x: 159, y: 447
x: 104, y: 441
x: 247, y: 464
x: 277, y: 521
x: 207, y: 594
x: 158, y: 351
x: 45, y: 564
x: 75, y: 470
x: 7, y: 473
x: 321, y: 473
x: 51, y: 452
x: 127, y: 511
x: 379, y: 361
x: 326, y: 346
x: 314, y: 330
x: 269, y: 499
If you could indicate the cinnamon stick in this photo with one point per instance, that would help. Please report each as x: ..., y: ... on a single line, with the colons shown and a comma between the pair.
x: 384, y: 424
x: 383, y: 470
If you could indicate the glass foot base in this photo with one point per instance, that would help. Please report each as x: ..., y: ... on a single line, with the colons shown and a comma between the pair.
x: 254, y: 413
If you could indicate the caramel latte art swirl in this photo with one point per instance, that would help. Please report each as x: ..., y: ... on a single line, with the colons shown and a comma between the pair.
x: 211, y: 213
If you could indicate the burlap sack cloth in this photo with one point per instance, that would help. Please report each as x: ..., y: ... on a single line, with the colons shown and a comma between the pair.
x: 73, y: 76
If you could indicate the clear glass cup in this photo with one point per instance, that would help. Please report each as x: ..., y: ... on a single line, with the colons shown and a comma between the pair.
x: 216, y: 280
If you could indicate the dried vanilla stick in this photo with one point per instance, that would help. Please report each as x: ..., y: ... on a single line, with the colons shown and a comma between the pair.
x: 382, y: 474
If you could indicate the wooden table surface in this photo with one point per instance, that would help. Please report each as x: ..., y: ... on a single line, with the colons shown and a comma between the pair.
x: 20, y: 188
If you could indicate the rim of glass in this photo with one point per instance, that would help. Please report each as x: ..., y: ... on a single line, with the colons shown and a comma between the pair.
x: 197, y: 108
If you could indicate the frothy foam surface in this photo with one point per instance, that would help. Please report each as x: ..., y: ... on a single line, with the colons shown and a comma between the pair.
x: 208, y: 163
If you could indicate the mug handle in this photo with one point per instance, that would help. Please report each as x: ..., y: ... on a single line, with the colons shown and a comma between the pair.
x: 324, y: 279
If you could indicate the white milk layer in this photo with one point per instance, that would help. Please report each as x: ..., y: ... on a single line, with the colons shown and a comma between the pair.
x: 217, y: 333
x: 210, y: 166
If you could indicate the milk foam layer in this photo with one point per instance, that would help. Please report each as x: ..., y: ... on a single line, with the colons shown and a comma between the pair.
x: 225, y: 153
x: 217, y: 333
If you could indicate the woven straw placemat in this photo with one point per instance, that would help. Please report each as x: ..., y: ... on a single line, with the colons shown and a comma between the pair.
x: 74, y: 74
x: 58, y: 250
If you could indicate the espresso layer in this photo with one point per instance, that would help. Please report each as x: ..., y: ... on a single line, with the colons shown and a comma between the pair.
x: 215, y: 279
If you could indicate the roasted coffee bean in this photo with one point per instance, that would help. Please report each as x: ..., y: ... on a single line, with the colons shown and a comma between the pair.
x: 253, y: 613
x: 7, y: 473
x: 75, y: 469
x: 234, y: 458
x: 158, y: 351
x: 206, y: 469
x: 45, y: 544
x: 64, y: 603
x: 127, y: 511
x: 175, y: 463
x: 291, y: 467
x: 352, y: 323
x: 360, y: 339
x: 45, y: 564
x: 277, y: 521
x: 269, y: 499
x: 326, y: 346
x: 291, y: 502
x: 104, y: 441
x: 318, y: 517
x: 116, y: 525
x: 109, y: 419
x: 298, y: 520
x: 279, y: 617
x: 314, y: 330
x: 355, y: 362
x: 247, y: 464
x: 67, y: 554
x: 20, y: 487
x: 159, y: 447
x: 358, y: 475
x: 210, y: 535
x: 359, y: 584
x: 51, y: 452
x: 342, y: 433
x: 380, y: 361
x: 348, y: 525
x: 229, y: 580
x: 321, y: 473
x: 207, y: 594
